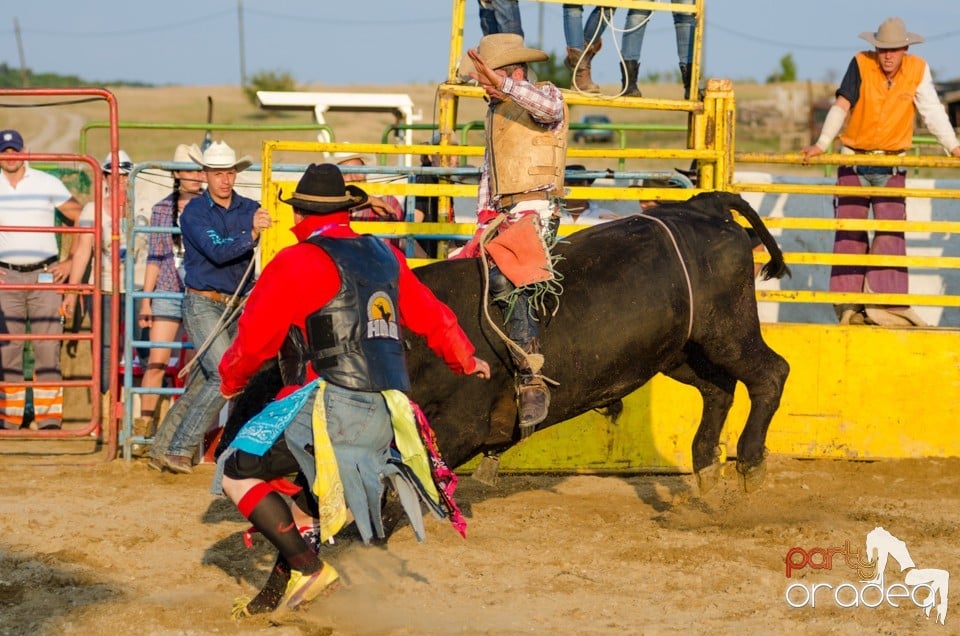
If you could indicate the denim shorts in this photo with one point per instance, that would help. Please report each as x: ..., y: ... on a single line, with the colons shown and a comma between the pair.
x: 167, y: 308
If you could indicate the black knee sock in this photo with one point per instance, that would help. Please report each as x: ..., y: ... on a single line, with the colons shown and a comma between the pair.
x: 273, y: 590
x: 270, y: 514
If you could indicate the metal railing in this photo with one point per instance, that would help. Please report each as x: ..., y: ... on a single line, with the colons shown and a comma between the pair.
x: 204, y: 127
x: 96, y: 335
x: 794, y: 224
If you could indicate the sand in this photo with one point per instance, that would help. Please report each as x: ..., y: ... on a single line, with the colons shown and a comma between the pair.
x: 118, y: 548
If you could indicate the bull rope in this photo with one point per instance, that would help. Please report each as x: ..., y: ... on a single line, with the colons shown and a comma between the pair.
x: 683, y: 265
x: 534, y: 361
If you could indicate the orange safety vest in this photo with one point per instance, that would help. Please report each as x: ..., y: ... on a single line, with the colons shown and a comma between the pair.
x: 882, y: 118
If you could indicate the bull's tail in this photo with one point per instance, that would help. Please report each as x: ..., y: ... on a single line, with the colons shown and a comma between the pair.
x: 776, y: 267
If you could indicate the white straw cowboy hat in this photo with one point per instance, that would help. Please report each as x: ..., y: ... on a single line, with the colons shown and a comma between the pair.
x: 499, y: 50
x: 219, y: 156
x: 185, y: 153
x: 892, y: 34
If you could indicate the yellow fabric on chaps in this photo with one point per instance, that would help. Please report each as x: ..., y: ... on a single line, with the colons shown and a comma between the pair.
x: 328, y: 488
x: 407, y: 438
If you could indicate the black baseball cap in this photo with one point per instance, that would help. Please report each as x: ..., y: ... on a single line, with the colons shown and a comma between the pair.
x: 10, y: 139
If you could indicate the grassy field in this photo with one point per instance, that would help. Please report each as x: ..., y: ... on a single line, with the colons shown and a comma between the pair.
x: 58, y: 128
x: 188, y: 105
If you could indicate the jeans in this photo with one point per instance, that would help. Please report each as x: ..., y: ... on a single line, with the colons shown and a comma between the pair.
x: 635, y: 25
x: 182, y: 430
x: 500, y: 16
x: 574, y: 32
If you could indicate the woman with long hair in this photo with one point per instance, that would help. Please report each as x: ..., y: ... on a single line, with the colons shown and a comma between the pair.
x: 164, y: 315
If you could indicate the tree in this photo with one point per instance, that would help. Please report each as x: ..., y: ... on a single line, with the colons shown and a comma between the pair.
x: 787, y: 71
x: 269, y: 81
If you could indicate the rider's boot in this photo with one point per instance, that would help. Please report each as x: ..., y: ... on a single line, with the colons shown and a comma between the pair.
x: 533, y: 396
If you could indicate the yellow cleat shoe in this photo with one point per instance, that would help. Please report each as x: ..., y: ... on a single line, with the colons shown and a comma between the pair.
x: 240, y: 608
x: 303, y: 588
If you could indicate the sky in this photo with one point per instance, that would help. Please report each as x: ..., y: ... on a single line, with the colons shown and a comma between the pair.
x: 198, y: 42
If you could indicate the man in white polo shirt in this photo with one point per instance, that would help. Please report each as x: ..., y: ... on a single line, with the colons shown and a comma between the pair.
x: 30, y: 197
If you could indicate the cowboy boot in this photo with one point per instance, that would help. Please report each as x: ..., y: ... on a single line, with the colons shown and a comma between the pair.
x: 628, y: 78
x: 142, y: 427
x: 533, y: 395
x: 685, y: 78
x: 578, y: 61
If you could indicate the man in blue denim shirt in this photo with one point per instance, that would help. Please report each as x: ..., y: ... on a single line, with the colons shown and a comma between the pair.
x: 220, y: 231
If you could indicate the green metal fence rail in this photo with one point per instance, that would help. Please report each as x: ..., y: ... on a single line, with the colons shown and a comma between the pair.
x: 204, y: 126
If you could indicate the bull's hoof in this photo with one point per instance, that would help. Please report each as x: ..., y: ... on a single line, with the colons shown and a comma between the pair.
x: 709, y: 477
x: 487, y: 470
x: 751, y: 477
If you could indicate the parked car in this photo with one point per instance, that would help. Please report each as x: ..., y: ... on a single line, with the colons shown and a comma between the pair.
x: 594, y: 135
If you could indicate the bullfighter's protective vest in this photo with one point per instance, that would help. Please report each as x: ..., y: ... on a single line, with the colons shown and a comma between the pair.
x: 524, y: 155
x: 355, y: 340
x: 882, y: 118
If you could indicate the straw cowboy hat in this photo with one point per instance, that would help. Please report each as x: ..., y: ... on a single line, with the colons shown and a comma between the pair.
x: 219, y: 156
x: 499, y: 50
x: 892, y: 34
x: 185, y: 153
x: 321, y: 190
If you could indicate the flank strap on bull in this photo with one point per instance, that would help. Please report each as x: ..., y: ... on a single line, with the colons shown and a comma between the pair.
x: 683, y: 265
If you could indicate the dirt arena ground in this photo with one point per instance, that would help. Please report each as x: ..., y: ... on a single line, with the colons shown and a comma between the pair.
x: 117, y: 548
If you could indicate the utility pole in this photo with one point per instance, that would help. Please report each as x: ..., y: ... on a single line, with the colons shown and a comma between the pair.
x: 540, y: 26
x: 243, y: 63
x: 24, y: 76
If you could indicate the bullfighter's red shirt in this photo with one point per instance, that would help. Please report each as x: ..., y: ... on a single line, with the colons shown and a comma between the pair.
x: 300, y: 280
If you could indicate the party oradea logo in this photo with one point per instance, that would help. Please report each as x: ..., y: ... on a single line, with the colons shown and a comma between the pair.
x: 906, y: 586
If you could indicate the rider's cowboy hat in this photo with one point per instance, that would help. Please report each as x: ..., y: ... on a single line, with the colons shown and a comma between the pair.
x: 892, y: 34
x: 220, y: 156
x: 499, y: 50
x: 321, y: 190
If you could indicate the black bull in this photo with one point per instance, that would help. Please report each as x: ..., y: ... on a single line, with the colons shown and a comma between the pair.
x: 640, y: 297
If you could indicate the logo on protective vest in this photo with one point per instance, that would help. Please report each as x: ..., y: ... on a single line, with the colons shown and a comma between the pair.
x: 382, y: 317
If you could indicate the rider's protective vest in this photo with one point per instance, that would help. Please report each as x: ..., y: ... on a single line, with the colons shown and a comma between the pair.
x: 882, y: 118
x: 355, y: 340
x: 524, y: 155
